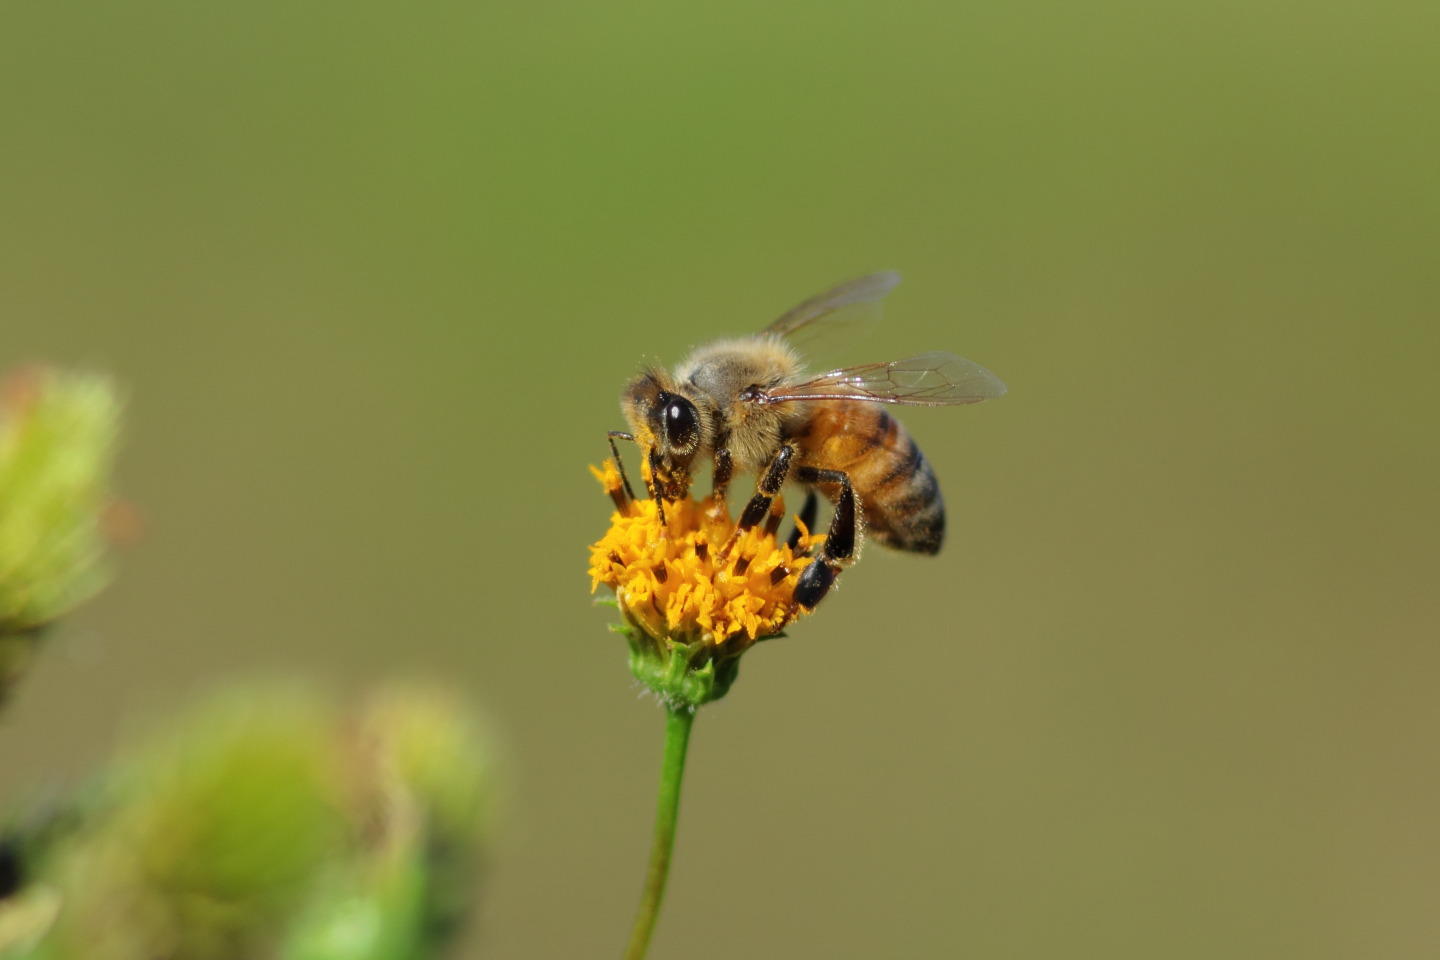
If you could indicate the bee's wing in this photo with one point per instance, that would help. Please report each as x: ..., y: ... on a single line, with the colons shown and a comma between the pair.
x: 867, y: 289
x: 930, y: 380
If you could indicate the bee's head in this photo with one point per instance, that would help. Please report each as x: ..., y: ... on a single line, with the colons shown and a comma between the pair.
x: 666, y: 422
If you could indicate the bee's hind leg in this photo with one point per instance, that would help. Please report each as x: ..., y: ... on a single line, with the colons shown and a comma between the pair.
x: 839, y: 547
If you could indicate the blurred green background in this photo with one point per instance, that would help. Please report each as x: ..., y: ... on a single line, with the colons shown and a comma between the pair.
x: 373, y: 274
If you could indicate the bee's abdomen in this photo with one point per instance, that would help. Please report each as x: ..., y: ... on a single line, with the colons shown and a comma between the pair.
x: 901, y: 498
x: 899, y: 495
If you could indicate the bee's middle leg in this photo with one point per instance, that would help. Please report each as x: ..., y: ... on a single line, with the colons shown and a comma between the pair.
x: 768, y: 489
x: 818, y: 577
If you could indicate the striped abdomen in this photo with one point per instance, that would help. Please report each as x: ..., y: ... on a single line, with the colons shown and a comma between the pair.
x: 899, y: 495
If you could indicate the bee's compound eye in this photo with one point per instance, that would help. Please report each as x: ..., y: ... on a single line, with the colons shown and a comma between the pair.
x: 682, y: 423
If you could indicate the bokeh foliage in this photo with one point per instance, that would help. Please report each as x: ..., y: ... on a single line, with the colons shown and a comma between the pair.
x: 57, y: 446
x: 264, y: 822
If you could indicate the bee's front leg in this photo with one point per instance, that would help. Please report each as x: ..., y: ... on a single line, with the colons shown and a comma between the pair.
x: 623, y: 502
x: 612, y: 436
x: 818, y: 577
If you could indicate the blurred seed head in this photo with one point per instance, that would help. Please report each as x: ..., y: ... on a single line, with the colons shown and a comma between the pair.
x: 57, y: 443
x: 268, y: 823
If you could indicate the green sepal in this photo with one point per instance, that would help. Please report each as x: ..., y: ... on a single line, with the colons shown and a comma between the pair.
x: 682, y: 675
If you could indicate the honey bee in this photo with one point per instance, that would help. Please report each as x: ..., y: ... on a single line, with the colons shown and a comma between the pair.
x: 746, y: 404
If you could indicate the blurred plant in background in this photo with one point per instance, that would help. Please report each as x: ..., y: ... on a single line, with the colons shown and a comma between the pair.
x: 262, y: 823
x: 265, y: 822
x: 57, y: 444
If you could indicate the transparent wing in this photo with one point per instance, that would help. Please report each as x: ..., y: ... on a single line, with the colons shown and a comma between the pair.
x: 930, y: 380
x: 867, y: 289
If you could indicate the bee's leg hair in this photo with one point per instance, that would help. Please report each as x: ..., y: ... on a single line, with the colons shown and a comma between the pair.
x: 815, y: 582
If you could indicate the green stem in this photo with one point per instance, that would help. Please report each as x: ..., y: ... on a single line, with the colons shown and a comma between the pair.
x: 672, y: 771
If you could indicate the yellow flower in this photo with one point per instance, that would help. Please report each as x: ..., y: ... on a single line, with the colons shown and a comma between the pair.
x: 678, y: 595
